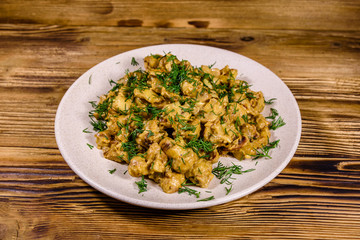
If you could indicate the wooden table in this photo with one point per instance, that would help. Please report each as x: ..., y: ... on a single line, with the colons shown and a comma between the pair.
x: 314, y: 46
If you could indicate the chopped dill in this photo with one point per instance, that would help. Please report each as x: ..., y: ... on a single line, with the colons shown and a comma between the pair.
x: 224, y: 173
x: 270, y: 101
x: 142, y: 185
x: 245, y: 117
x: 188, y: 190
x: 250, y: 95
x: 206, y: 199
x: 228, y: 190
x: 264, y: 151
x: 112, y: 171
x: 86, y: 130
x: 200, y: 145
x: 274, y: 114
x: 90, y: 146
x: 169, y: 162
x: 131, y: 148
x: 277, y: 123
x: 171, y: 58
x: 134, y: 62
x: 151, y: 133
x: 211, y: 65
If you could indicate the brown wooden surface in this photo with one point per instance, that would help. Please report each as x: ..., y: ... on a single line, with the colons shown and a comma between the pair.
x: 314, y: 46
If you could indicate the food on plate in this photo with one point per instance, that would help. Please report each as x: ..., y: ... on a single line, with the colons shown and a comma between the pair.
x: 172, y: 121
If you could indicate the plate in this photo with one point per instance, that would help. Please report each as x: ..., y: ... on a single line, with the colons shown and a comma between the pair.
x: 90, y: 165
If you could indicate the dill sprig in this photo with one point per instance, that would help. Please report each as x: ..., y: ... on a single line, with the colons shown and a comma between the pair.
x: 188, y: 190
x: 228, y: 190
x: 100, y: 113
x: 90, y: 146
x: 134, y: 62
x: 199, y: 145
x: 270, y: 101
x: 250, y: 95
x: 274, y: 114
x: 98, y: 125
x: 154, y: 111
x: 206, y: 199
x: 277, y: 124
x: 142, y: 184
x: 169, y: 162
x: 211, y: 65
x: 264, y: 151
x: 224, y: 173
x: 117, y: 85
x: 86, y: 130
x: 135, y: 82
x: 172, y: 80
x: 131, y: 148
x: 244, y: 86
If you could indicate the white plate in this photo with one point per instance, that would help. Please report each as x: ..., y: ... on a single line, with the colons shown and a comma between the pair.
x: 93, y: 168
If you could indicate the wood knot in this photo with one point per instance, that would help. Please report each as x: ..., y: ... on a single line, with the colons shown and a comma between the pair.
x: 163, y: 24
x: 130, y: 23
x: 85, y: 39
x: 199, y: 24
x: 247, y: 39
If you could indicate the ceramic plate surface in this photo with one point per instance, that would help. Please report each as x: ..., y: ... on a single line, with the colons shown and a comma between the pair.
x: 90, y: 165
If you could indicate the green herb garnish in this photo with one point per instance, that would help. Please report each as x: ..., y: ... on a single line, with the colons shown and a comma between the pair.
x: 131, y: 149
x: 211, y: 65
x: 90, y: 146
x: 206, y: 199
x: 199, y: 145
x: 189, y: 191
x: 101, y: 111
x: 112, y: 171
x: 277, y: 123
x: 228, y: 190
x: 274, y: 114
x: 172, y: 80
x: 142, y: 184
x: 86, y: 130
x: 264, y: 151
x: 270, y: 101
x: 134, y: 62
x: 250, y: 95
x: 169, y: 162
x: 225, y: 173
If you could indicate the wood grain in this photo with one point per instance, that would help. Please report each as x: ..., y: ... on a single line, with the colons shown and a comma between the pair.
x: 258, y: 14
x: 314, y: 46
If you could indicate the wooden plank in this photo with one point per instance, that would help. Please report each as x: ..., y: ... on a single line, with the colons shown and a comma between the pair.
x: 65, y: 206
x: 258, y: 14
x: 53, y: 56
x: 266, y: 219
